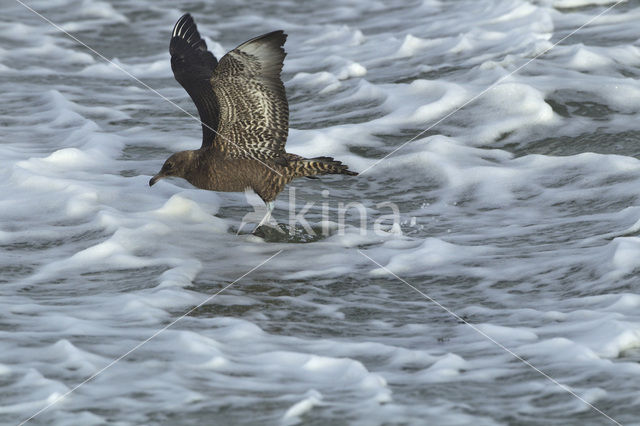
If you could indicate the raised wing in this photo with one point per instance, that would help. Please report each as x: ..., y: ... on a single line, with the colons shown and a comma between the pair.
x: 193, y: 65
x: 254, y: 112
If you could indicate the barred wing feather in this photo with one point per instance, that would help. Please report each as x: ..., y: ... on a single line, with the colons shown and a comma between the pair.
x: 254, y: 112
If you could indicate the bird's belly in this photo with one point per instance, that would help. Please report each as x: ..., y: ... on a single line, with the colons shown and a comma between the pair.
x: 228, y: 184
x: 234, y: 175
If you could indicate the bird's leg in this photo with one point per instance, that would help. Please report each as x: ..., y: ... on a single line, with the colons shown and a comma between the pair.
x: 267, y: 216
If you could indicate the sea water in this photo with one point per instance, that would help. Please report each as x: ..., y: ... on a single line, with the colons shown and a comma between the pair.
x: 515, y: 236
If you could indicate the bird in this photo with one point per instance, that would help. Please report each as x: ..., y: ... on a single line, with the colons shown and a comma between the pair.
x: 244, y: 113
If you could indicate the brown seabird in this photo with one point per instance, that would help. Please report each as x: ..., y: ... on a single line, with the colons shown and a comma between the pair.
x: 244, y: 113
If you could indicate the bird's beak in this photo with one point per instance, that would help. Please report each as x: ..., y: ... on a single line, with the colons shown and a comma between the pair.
x: 155, y: 179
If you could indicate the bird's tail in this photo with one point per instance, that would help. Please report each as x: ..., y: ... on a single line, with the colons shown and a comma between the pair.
x: 309, y: 167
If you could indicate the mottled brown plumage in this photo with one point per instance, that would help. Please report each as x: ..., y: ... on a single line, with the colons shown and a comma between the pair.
x: 245, y: 117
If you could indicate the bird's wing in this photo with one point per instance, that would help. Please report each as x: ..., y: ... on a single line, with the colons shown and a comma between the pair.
x: 193, y: 65
x: 254, y: 112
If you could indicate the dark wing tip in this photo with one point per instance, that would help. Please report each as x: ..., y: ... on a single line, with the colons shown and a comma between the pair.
x: 274, y: 38
x: 185, y: 36
x: 279, y: 36
x: 189, y: 54
x: 184, y: 19
x: 266, y: 50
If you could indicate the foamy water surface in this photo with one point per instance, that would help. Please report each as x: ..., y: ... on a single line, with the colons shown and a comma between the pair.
x: 520, y: 213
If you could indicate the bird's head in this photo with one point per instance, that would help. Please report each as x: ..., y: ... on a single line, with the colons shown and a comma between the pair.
x: 177, y: 165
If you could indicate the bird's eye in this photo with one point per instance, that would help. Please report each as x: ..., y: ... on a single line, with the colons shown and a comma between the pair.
x: 168, y: 165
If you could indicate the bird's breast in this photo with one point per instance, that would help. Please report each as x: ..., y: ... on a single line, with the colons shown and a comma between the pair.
x: 227, y: 175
